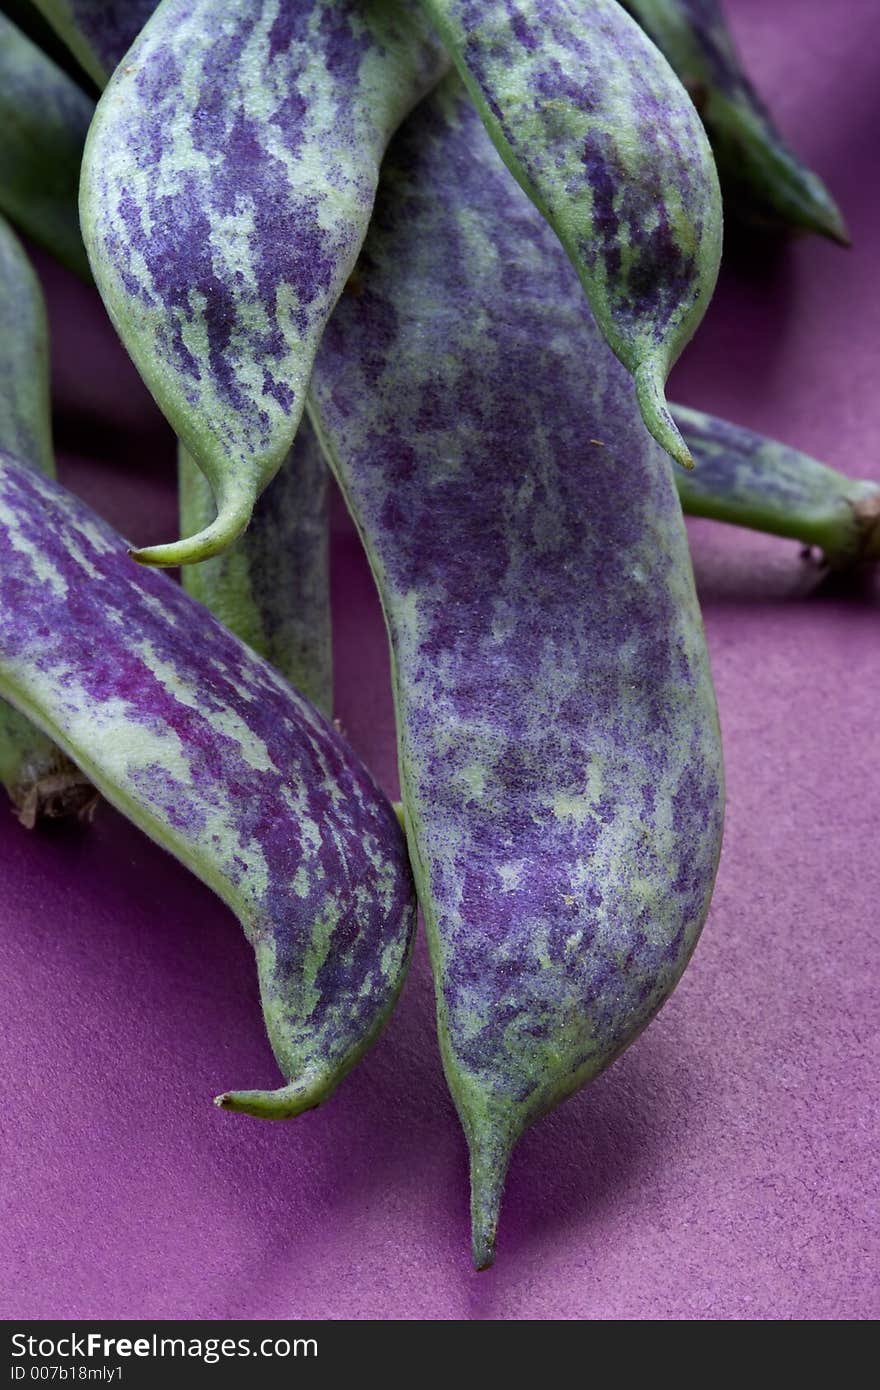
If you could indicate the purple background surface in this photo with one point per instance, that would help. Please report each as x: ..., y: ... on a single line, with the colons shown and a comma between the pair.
x: 726, y: 1166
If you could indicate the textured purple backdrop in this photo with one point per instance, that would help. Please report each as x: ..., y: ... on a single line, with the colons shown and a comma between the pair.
x: 726, y: 1166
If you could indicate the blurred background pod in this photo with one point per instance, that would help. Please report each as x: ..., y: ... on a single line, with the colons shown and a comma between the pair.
x: 44, y: 118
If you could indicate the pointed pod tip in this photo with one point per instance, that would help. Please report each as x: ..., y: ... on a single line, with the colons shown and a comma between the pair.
x: 820, y: 212
x: 799, y: 202
x: 838, y: 232
x: 482, y: 1248
x: 284, y: 1104
x: 650, y: 380
x: 490, y: 1156
x: 826, y: 220
x: 224, y: 531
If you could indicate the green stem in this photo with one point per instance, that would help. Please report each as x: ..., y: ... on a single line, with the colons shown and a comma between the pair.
x: 284, y: 1104
x: 747, y: 480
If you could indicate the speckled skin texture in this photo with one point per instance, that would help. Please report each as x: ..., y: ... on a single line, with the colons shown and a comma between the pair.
x: 559, y: 748
x: 763, y: 180
x: 98, y: 32
x: 726, y: 1166
x: 44, y: 118
x: 593, y: 123
x: 744, y: 478
x: 37, y: 777
x: 272, y: 587
x: 203, y: 746
x: 227, y: 185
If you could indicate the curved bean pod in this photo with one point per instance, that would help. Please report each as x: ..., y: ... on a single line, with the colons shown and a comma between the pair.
x: 559, y: 747
x: 227, y: 185
x: 272, y: 588
x: 594, y: 125
x: 748, y: 480
x: 44, y: 117
x: 97, y: 32
x: 763, y: 180
x: 204, y: 747
x: 39, y: 780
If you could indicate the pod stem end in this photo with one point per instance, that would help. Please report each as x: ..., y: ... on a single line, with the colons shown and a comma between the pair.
x: 284, y: 1104
x: 650, y: 383
x: 490, y: 1156
x: 224, y: 531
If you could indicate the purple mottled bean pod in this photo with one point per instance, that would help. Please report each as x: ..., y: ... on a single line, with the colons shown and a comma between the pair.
x: 227, y: 185
x: 593, y: 123
x: 204, y: 747
x: 559, y: 747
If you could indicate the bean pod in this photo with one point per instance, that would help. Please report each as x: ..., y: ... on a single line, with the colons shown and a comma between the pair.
x: 559, y: 748
x: 744, y: 478
x: 227, y: 185
x: 591, y: 120
x: 205, y: 748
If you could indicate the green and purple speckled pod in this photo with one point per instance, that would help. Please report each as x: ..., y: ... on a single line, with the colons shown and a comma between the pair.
x: 227, y: 185
x: 559, y: 747
x: 44, y: 118
x: 39, y: 780
x: 97, y: 32
x: 762, y: 179
x: 204, y: 747
x: 272, y: 587
x: 598, y: 130
x: 748, y: 480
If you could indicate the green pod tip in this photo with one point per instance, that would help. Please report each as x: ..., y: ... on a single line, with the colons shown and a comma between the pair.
x: 231, y: 520
x: 286, y: 1103
x: 490, y: 1155
x: 650, y: 379
x: 833, y: 226
x: 811, y: 206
